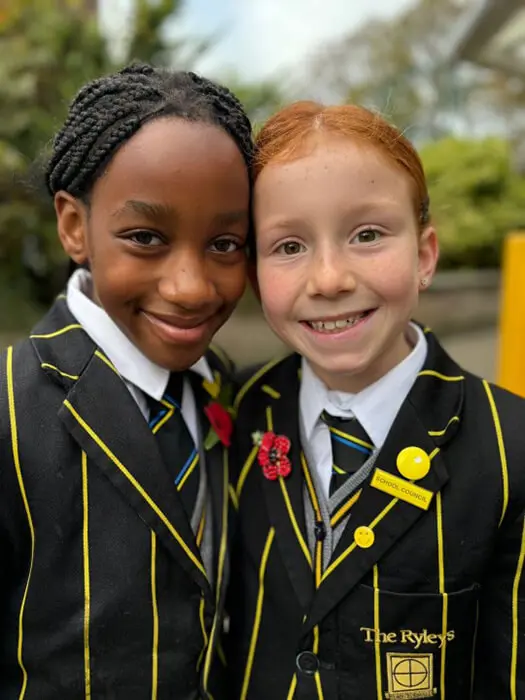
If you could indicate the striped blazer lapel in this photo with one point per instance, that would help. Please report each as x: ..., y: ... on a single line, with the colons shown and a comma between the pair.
x: 217, y: 473
x: 118, y: 440
x: 285, y: 496
x: 428, y: 419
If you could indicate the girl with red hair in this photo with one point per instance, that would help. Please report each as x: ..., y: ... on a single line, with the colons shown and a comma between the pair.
x: 381, y: 497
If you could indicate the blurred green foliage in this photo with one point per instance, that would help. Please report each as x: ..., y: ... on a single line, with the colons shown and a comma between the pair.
x: 476, y: 197
x: 48, y: 50
x: 47, y: 54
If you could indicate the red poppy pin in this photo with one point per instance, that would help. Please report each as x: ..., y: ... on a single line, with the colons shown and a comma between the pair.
x: 272, y: 455
x: 218, y: 412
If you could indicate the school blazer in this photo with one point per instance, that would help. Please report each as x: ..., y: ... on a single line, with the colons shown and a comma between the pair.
x: 431, y: 604
x: 103, y: 591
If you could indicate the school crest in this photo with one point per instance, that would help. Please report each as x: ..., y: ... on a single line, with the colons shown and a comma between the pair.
x: 410, y: 676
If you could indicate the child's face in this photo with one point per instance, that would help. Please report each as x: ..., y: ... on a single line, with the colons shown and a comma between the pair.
x: 164, y: 237
x: 340, y: 259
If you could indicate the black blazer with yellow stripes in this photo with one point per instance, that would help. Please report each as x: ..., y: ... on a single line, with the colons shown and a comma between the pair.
x: 103, y: 590
x: 435, y: 607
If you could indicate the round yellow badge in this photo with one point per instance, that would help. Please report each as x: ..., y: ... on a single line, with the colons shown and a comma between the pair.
x: 364, y: 537
x: 413, y: 463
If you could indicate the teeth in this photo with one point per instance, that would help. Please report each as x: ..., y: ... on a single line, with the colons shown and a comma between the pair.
x: 336, y: 325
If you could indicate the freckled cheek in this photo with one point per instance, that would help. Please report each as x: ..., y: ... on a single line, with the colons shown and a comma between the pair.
x: 277, y: 291
x: 396, y: 280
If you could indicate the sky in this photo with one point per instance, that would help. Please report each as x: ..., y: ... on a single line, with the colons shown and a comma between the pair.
x: 258, y: 39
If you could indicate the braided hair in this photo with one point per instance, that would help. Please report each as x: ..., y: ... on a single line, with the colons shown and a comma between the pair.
x: 107, y: 112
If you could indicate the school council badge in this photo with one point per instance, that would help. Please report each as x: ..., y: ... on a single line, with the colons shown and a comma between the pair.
x: 410, y: 676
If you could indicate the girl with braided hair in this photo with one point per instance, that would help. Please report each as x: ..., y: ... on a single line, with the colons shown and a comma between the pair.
x: 114, y: 498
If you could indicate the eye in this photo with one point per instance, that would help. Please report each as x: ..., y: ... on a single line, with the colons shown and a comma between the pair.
x: 226, y: 245
x: 369, y: 235
x: 291, y: 248
x: 145, y: 238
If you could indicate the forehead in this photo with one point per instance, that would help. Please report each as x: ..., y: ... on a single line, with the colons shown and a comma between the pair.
x: 332, y: 170
x: 176, y: 162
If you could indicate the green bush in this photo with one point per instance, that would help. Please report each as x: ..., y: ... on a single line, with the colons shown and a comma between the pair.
x: 475, y: 199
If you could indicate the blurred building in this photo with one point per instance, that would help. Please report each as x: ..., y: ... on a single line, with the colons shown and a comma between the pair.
x: 492, y: 35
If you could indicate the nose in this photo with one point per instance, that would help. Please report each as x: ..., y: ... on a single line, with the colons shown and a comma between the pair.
x: 330, y: 274
x: 186, y: 281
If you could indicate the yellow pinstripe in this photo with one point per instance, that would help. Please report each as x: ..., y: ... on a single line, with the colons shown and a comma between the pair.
x: 270, y: 391
x: 16, y: 460
x: 155, y: 611
x: 200, y: 529
x: 318, y: 555
x: 247, y: 385
x: 293, y: 686
x: 220, y: 572
x: 269, y: 418
x: 87, y: 582
x: 295, y: 525
x: 439, y: 433
x: 165, y: 418
x: 515, y: 617
x: 357, y: 441
x: 136, y: 485
x: 188, y: 472
x: 60, y: 331
x: 245, y: 469
x: 377, y: 645
x: 46, y: 365
x: 441, y: 571
x: 204, y: 632
x: 438, y: 375
x: 258, y: 613
x: 351, y: 548
x: 340, y: 514
x: 315, y: 649
x: 233, y: 496
x: 501, y: 448
x: 106, y: 361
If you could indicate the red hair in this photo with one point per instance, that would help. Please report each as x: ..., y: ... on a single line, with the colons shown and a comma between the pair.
x: 285, y: 136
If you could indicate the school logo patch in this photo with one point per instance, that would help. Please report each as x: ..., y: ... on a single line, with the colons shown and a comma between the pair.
x: 410, y: 676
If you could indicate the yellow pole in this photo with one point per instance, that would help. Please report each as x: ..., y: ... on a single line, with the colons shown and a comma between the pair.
x: 511, y: 356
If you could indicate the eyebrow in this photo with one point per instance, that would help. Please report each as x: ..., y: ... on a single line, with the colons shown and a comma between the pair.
x: 156, y: 210
x: 152, y: 210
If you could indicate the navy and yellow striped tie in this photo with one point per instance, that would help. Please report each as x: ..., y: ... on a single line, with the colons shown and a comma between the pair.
x: 351, y: 447
x: 176, y: 445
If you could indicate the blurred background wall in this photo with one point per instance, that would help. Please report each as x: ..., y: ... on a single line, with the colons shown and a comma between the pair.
x: 450, y: 73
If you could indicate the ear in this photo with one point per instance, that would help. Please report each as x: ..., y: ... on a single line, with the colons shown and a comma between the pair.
x: 428, y: 255
x: 252, y: 276
x: 72, y: 218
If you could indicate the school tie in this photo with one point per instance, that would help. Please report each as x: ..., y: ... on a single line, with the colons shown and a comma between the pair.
x: 176, y: 445
x: 351, y: 447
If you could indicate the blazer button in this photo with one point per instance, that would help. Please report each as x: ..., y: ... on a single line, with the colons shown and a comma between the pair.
x: 307, y: 662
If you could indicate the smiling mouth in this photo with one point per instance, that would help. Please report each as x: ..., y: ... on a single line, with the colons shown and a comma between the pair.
x: 179, y: 330
x: 336, y: 325
x: 175, y: 322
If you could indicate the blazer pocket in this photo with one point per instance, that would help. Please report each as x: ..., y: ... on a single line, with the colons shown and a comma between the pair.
x: 420, y: 643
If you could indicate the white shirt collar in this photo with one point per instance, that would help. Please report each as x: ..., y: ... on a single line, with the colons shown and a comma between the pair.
x: 129, y: 361
x: 375, y: 407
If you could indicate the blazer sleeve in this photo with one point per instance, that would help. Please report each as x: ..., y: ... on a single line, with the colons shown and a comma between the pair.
x: 499, y: 670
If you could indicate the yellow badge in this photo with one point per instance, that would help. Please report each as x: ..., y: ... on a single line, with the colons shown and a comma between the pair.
x: 364, y: 537
x: 404, y: 490
x: 409, y: 676
x: 413, y: 463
